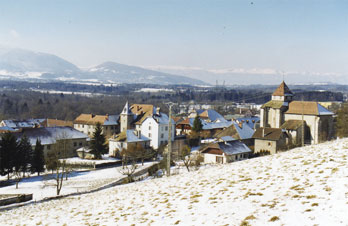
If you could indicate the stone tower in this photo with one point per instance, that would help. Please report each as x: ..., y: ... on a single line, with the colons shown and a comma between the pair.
x: 126, y: 118
x: 272, y: 112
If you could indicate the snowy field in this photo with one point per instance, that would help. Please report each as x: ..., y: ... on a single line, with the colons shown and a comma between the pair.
x: 304, y: 186
x: 80, y: 181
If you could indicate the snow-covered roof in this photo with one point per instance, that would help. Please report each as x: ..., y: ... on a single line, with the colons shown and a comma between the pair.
x: 227, y: 138
x: 129, y: 136
x: 91, y: 119
x: 244, y: 132
x: 215, y: 125
x: 249, y: 121
x: 6, y: 128
x: 210, y: 114
x: 28, y: 123
x: 162, y: 119
x: 229, y: 148
x: 48, y: 135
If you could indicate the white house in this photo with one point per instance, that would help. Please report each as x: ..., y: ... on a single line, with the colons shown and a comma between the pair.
x: 225, y: 152
x: 125, y: 139
x: 156, y: 128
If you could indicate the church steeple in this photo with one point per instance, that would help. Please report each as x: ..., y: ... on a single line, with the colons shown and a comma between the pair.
x: 282, y: 93
x: 126, y: 118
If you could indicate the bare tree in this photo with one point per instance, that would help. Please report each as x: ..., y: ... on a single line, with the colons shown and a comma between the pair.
x: 185, y: 156
x: 56, y: 161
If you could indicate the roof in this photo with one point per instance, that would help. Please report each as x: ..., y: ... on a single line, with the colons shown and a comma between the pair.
x: 210, y: 114
x: 249, y: 121
x: 142, y: 108
x: 282, y: 90
x: 227, y: 138
x: 238, y: 131
x: 28, y: 123
x: 90, y: 119
x: 129, y: 136
x: 307, y: 108
x: 177, y: 119
x: 229, y: 148
x: 292, y: 124
x: 141, y: 112
x: 7, y: 129
x: 269, y: 134
x: 216, y: 125
x: 54, y: 122
x: 48, y: 135
x: 161, y: 119
x: 274, y: 104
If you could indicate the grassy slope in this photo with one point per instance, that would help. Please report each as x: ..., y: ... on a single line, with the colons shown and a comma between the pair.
x: 304, y: 186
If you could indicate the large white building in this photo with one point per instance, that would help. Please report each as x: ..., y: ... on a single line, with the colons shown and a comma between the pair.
x: 156, y: 128
x: 149, y: 121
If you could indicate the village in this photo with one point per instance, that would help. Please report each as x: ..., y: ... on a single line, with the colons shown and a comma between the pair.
x: 143, y: 133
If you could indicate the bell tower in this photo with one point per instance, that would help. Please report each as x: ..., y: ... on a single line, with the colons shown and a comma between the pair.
x: 126, y: 118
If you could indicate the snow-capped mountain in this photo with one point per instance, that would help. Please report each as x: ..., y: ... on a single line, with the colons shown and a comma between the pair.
x: 111, y: 71
x: 24, y: 63
x: 28, y: 65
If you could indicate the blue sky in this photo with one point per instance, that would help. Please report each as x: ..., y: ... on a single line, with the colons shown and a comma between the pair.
x: 283, y: 35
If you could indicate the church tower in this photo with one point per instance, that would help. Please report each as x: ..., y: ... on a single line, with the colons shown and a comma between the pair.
x: 126, y: 118
x: 272, y: 112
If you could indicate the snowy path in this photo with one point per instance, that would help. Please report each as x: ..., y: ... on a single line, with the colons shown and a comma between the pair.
x: 44, y: 186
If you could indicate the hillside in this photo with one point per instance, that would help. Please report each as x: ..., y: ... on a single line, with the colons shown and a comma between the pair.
x: 304, y: 186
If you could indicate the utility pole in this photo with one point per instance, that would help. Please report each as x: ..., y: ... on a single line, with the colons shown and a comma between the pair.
x: 302, y: 122
x: 169, y: 151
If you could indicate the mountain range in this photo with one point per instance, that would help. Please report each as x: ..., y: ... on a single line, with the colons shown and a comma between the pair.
x: 29, y: 65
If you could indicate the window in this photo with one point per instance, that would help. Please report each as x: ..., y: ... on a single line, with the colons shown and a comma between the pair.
x: 166, y: 128
x: 48, y: 147
x: 219, y: 159
x: 75, y: 144
x: 83, y: 126
x: 149, y: 127
x: 149, y: 134
x: 80, y: 144
x: 162, y: 135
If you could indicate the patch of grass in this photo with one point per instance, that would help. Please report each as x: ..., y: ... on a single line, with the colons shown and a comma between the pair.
x: 274, y: 218
x: 311, y: 196
x: 334, y: 170
x: 245, y: 223
x: 250, y: 217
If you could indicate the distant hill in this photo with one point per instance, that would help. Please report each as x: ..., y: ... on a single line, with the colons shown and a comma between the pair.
x: 29, y: 65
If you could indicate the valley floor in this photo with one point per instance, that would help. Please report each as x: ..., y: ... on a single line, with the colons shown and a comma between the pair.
x: 304, y: 186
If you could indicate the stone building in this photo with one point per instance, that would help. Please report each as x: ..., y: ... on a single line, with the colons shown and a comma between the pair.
x: 309, y: 118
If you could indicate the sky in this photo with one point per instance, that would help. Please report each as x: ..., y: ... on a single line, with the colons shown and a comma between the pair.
x: 247, y: 35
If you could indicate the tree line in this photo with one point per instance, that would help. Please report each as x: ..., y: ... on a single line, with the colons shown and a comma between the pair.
x: 17, y: 157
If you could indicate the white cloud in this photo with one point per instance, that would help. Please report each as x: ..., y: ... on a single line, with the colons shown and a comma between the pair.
x: 14, y: 34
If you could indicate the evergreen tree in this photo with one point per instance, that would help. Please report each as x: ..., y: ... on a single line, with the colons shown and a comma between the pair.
x: 25, y: 154
x: 197, y: 125
x: 98, y: 144
x: 8, y: 150
x: 342, y: 119
x: 38, y: 160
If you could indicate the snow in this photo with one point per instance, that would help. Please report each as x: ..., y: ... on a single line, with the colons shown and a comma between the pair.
x: 79, y: 181
x: 303, y: 186
x: 154, y: 90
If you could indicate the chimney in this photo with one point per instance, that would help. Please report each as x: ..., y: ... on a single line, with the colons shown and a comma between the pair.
x: 158, y: 110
